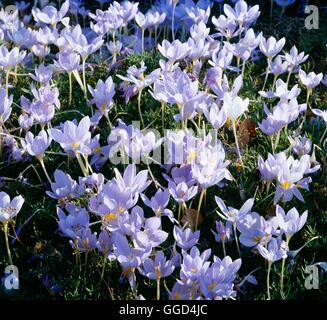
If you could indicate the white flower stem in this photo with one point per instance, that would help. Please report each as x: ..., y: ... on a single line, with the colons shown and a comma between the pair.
x: 237, y: 145
x: 143, y: 31
x: 173, y: 22
x: 236, y: 239
x: 139, y: 107
x: 199, y: 208
x: 81, y: 164
x: 224, y: 248
x: 179, y: 213
x: 282, y: 271
x: 5, y: 227
x: 268, y: 279
x: 267, y: 74
x: 84, y: 78
x: 44, y: 168
x: 158, y: 288
x: 323, y: 136
x: 7, y: 80
x: 70, y: 87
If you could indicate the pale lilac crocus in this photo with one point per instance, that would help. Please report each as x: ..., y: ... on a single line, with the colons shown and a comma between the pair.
x: 151, y: 233
x: 234, y: 107
x: 8, y: 210
x: 51, y: 16
x: 301, y: 145
x: 310, y: 81
x: 290, y: 222
x: 76, y: 139
x: 185, y: 238
x: 217, y: 281
x: 102, y: 96
x: 323, y: 115
x: 158, y: 203
x: 68, y: 61
x: 234, y: 215
x: 75, y: 222
x: 63, y: 187
x: 157, y: 268
x: 276, y: 250
x: 294, y: 59
x: 43, y: 74
x: 10, y: 59
x: 36, y: 146
x: 5, y: 106
x: 193, y: 265
x: 270, y: 48
x: 173, y: 51
x: 129, y: 257
x: 222, y: 233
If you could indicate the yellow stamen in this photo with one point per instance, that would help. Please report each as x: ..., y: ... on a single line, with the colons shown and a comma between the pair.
x: 110, y: 216
x: 286, y: 184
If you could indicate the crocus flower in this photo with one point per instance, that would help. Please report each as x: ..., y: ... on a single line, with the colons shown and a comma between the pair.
x: 63, y: 187
x: 10, y: 59
x: 217, y: 117
x: 157, y: 268
x: 226, y: 27
x: 152, y: 233
x: 104, y: 245
x: 43, y: 74
x: 130, y: 181
x: 174, y: 51
x: 294, y: 58
x: 158, y: 203
x: 255, y: 229
x: 194, y: 265
x: 67, y: 61
x: 181, y: 192
x: 50, y: 15
x: 36, y: 146
x: 231, y: 214
x: 274, y: 252
x: 85, y: 241
x: 103, y: 94
x: 5, y: 106
x: 75, y: 222
x: 271, y: 47
x: 282, y: 92
x: 74, y: 138
x: 241, y: 13
x: 185, y: 238
x: 80, y: 44
x: 129, y: 257
x: 9, y: 208
x: 283, y: 114
x: 289, y: 174
x: 310, y: 80
x: 301, y: 145
x: 234, y: 107
x: 217, y: 281
x: 321, y: 113
x: 290, y: 222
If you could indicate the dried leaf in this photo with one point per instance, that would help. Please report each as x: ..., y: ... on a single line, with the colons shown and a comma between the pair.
x: 190, y: 218
x: 246, y: 132
x: 271, y: 212
x: 39, y: 246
